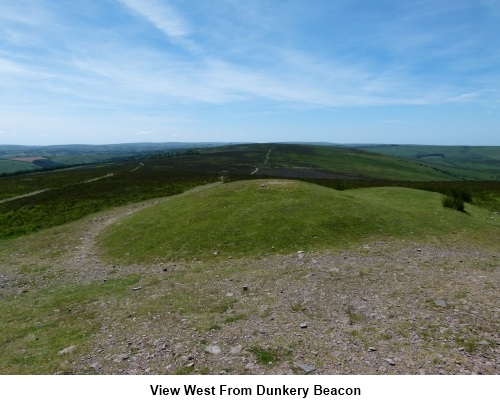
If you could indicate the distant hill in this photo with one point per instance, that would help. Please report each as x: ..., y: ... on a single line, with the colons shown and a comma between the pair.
x: 468, y: 162
x: 68, y: 155
x: 316, y: 159
x: 307, y: 161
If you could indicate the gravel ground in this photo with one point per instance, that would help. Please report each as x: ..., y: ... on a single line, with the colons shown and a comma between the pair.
x: 382, y: 308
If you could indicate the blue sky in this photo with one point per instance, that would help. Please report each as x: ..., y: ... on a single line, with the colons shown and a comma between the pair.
x: 341, y: 71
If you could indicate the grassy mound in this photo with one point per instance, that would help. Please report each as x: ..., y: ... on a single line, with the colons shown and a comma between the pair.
x: 280, y: 216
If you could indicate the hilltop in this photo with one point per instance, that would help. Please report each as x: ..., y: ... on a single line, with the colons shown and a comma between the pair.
x: 258, y: 217
x: 108, y: 294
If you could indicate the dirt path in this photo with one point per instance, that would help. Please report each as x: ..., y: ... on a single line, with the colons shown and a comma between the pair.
x: 138, y: 167
x: 47, y: 189
x: 24, y: 195
x: 265, y: 161
x: 83, y: 257
x: 95, y: 179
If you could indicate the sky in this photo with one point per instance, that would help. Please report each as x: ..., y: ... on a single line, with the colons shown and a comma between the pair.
x: 340, y: 71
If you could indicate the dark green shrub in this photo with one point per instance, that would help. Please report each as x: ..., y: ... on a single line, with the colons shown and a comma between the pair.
x: 453, y: 203
x: 462, y: 195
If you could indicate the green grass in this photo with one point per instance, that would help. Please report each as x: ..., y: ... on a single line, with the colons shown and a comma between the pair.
x: 13, y: 166
x: 235, y: 318
x: 265, y: 355
x: 244, y: 219
x: 36, y: 325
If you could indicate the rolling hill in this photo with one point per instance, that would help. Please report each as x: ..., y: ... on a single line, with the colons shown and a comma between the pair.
x: 468, y: 162
x: 258, y: 217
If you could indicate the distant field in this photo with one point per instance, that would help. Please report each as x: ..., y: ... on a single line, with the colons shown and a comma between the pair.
x: 13, y: 166
x: 29, y: 159
x: 469, y: 162
x: 70, y: 155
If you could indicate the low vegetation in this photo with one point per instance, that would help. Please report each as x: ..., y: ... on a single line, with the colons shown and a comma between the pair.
x: 256, y: 217
x: 453, y: 203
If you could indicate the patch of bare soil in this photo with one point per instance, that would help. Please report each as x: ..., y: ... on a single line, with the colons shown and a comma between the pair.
x: 379, y: 309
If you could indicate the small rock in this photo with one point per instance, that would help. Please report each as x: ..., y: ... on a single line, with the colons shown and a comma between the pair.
x: 213, y: 349
x: 440, y: 303
x: 303, y: 325
x: 122, y: 357
x: 250, y: 366
x: 236, y: 349
x: 483, y: 343
x: 390, y: 361
x: 67, y: 350
x: 229, y: 294
x: 136, y: 288
x: 305, y: 367
x: 372, y: 349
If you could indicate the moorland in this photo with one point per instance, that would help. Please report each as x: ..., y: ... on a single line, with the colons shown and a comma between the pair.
x: 251, y: 259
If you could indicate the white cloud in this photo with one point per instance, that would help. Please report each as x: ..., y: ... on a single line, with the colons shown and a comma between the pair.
x: 164, y: 17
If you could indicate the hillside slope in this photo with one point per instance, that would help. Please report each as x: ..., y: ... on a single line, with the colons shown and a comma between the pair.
x: 468, y: 162
x: 264, y: 217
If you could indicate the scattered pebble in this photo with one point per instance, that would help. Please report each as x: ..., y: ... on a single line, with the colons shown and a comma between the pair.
x: 235, y: 349
x: 440, y: 303
x: 390, y: 361
x: 305, y: 367
x: 67, y: 350
x: 213, y: 349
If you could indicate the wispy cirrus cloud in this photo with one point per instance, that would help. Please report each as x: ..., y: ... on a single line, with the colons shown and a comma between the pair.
x: 164, y: 17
